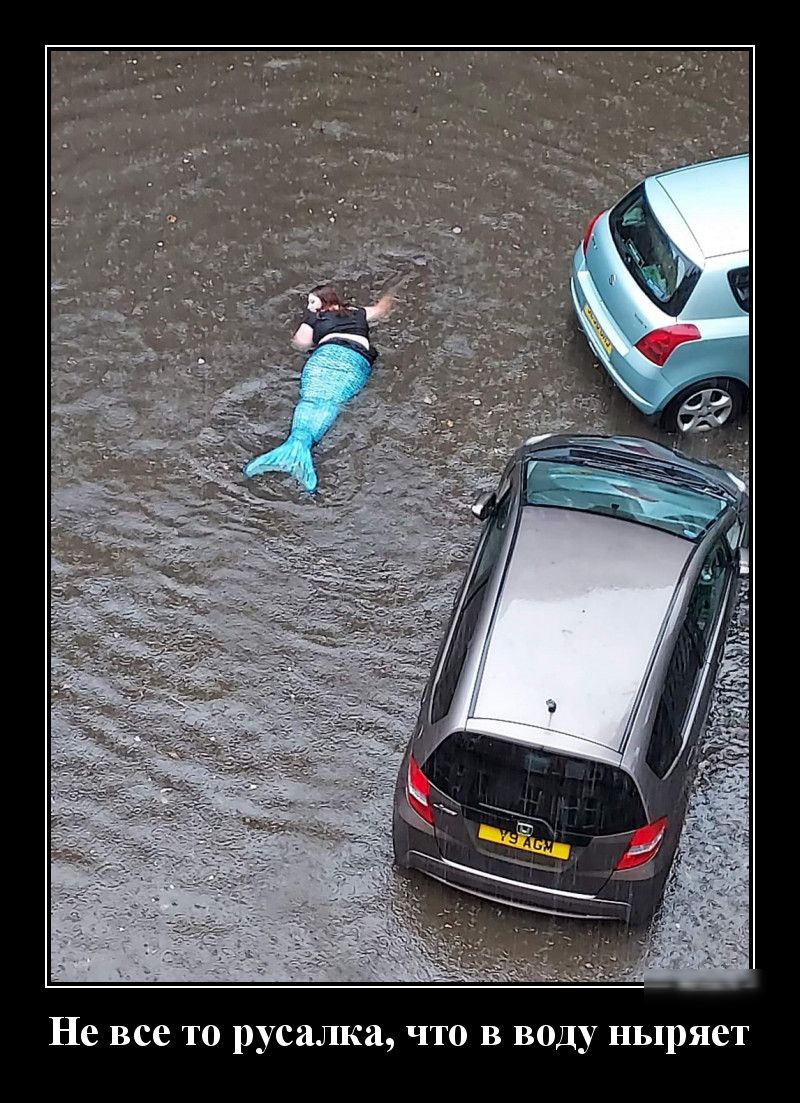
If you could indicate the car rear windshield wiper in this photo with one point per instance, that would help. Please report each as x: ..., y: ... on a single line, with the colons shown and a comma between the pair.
x: 668, y: 473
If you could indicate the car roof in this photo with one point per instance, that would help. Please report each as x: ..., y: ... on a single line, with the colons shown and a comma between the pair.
x: 578, y: 616
x: 713, y: 199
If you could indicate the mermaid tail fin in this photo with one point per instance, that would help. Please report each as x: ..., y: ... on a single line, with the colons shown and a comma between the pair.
x: 292, y: 457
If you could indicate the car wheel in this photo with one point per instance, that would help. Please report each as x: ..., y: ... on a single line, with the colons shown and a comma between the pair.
x: 707, y: 405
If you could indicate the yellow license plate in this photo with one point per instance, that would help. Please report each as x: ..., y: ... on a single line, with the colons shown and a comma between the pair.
x: 604, y: 341
x: 524, y: 842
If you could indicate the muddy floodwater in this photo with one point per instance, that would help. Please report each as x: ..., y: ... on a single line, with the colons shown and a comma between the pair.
x: 237, y: 666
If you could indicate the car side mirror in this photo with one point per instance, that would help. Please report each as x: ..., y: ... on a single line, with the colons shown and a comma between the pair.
x: 744, y: 562
x: 484, y: 506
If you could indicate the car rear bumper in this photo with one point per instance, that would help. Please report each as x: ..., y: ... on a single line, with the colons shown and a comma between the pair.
x: 640, y: 381
x: 501, y: 890
x: 415, y: 847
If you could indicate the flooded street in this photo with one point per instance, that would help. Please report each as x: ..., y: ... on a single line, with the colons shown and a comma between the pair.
x: 237, y: 666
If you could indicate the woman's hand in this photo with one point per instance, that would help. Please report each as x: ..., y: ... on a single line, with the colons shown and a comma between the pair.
x: 382, y: 308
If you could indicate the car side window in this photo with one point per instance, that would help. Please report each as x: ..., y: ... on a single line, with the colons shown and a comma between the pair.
x: 733, y: 535
x: 708, y: 593
x: 676, y: 698
x: 461, y: 639
x: 739, y: 279
x: 687, y: 660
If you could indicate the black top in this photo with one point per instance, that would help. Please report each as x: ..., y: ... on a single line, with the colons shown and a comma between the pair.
x: 328, y: 321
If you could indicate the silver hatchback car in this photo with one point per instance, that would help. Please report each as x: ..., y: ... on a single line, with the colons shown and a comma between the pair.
x: 550, y: 764
x: 661, y: 288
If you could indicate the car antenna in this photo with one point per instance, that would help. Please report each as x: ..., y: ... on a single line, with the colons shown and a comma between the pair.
x: 551, y: 708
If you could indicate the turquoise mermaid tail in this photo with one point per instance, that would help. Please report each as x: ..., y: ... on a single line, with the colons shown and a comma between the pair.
x: 333, y: 374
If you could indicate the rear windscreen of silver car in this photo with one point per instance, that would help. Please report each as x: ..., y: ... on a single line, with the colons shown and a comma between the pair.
x: 495, y: 778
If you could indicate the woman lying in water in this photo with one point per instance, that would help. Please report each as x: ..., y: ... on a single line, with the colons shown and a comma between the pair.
x: 336, y: 370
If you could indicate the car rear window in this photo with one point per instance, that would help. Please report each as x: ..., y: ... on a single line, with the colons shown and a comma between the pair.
x: 631, y: 497
x: 739, y: 280
x: 661, y: 270
x: 490, y: 777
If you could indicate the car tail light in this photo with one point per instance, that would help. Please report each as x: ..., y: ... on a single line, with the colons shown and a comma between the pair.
x: 418, y: 790
x: 644, y: 845
x: 588, y: 233
x: 659, y: 344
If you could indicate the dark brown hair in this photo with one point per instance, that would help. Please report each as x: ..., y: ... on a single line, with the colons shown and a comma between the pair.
x: 330, y: 298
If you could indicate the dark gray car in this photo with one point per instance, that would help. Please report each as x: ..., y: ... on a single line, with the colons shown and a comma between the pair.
x: 551, y: 762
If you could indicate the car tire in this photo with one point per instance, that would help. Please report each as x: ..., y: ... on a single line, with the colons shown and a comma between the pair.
x: 706, y: 405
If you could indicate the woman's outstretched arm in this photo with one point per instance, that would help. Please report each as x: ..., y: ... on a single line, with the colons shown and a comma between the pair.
x: 381, y: 309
